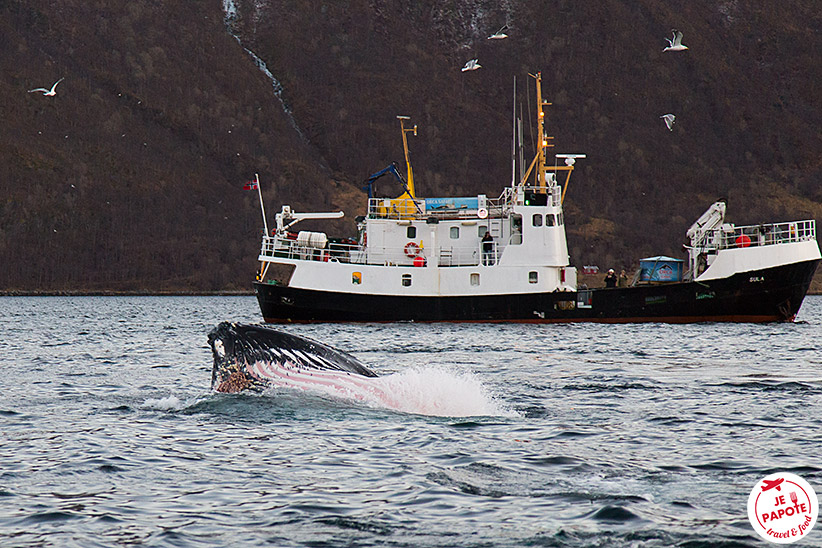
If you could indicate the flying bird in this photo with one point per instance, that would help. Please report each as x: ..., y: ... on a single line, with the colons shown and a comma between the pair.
x: 669, y: 121
x: 675, y: 44
x: 471, y: 65
x: 500, y: 34
x: 48, y: 92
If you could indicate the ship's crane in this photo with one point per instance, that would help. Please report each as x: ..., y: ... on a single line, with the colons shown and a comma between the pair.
x: 392, y: 169
x: 287, y: 218
x: 699, y: 233
x: 710, y: 220
x: 407, y: 196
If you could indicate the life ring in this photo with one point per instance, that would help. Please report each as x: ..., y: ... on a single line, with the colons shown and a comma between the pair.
x: 412, y: 249
x: 482, y: 213
x: 743, y: 241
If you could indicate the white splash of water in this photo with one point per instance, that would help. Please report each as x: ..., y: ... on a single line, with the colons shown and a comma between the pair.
x: 439, y: 392
x: 423, y: 391
x: 169, y: 403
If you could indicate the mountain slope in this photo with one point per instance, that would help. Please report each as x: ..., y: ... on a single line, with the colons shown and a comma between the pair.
x: 130, y: 177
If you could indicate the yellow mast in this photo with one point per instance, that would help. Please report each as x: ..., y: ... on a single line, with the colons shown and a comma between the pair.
x: 402, y: 120
x: 542, y: 133
x: 544, y: 145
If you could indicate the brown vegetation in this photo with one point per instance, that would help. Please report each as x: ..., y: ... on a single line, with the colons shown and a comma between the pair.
x: 130, y: 178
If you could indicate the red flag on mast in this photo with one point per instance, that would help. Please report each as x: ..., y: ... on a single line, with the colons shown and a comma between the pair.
x: 251, y: 185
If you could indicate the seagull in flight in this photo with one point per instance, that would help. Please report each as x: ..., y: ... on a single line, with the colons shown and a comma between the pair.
x: 676, y: 42
x: 48, y: 92
x: 471, y: 65
x: 669, y: 121
x: 500, y: 34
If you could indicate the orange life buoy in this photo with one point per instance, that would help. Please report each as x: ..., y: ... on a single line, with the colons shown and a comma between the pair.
x: 412, y: 249
x: 743, y: 241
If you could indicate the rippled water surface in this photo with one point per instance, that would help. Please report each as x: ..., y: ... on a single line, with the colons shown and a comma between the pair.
x: 573, y: 435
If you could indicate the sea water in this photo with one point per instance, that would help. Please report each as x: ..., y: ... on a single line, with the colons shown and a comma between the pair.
x: 507, y: 435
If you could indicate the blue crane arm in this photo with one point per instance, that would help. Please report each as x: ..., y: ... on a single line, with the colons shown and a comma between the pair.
x: 392, y: 169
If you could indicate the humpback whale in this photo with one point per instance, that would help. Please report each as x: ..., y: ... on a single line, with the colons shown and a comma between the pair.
x: 256, y: 357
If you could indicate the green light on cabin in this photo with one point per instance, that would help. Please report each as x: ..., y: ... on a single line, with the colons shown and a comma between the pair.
x: 535, y: 199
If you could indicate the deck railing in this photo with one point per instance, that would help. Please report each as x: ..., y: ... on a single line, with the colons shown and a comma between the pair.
x: 732, y: 237
x: 394, y: 208
x: 275, y: 247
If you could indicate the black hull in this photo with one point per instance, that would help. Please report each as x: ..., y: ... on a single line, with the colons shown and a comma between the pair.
x: 769, y: 295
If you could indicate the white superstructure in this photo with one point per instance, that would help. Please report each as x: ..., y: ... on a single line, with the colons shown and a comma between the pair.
x: 438, y: 246
x: 437, y: 250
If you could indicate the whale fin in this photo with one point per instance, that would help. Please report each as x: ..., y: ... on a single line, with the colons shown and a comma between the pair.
x: 238, y: 348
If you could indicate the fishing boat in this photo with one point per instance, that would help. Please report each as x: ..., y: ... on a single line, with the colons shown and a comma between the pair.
x: 505, y: 259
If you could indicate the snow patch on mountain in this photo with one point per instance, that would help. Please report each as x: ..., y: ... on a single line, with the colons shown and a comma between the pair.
x: 232, y: 17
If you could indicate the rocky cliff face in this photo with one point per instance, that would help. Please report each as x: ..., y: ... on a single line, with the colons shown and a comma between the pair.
x: 131, y: 176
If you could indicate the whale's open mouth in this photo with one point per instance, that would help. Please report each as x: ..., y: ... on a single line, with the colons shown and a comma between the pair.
x: 255, y: 357
x: 259, y: 358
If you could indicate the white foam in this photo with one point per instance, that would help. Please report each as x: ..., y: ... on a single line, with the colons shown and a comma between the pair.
x: 425, y: 390
x: 165, y: 404
x: 439, y: 392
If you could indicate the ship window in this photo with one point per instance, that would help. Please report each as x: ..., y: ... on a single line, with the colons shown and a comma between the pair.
x: 560, y: 219
x: 536, y: 199
x: 455, y: 233
x: 474, y: 278
x: 516, y: 229
x: 533, y: 277
x: 481, y: 230
x: 549, y: 219
x: 536, y: 220
x: 411, y: 232
x: 356, y: 278
x: 406, y: 280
